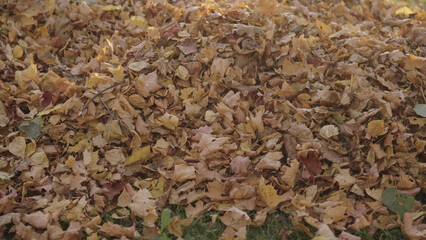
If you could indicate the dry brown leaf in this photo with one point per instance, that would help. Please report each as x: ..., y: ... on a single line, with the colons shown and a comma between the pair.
x: 270, y: 160
x: 144, y: 206
x: 183, y: 172
x: 376, y: 128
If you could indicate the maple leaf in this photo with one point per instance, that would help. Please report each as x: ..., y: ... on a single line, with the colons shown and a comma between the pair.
x: 144, y: 206
x: 268, y: 194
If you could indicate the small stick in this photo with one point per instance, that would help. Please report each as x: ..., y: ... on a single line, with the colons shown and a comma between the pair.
x: 114, y: 116
x: 99, y: 93
x: 111, y: 113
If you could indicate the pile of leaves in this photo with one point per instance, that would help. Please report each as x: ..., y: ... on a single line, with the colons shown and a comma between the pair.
x: 245, y: 108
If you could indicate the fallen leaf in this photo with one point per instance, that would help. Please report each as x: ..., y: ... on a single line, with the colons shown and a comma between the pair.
x: 329, y: 131
x: 32, y: 129
x: 144, y: 206
x: 141, y: 154
x: 17, y: 51
x: 404, y: 11
x: 17, y: 147
x: 412, y: 232
x: 239, y: 164
x: 397, y: 202
x: 420, y: 109
x: 183, y: 173
x: 270, y: 161
x: 138, y: 66
x: 268, y: 194
x: 376, y: 128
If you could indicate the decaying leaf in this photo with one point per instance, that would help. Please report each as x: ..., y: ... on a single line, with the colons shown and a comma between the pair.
x: 397, y: 202
x: 32, y: 129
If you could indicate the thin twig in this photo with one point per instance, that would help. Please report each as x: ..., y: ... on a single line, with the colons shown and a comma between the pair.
x: 114, y: 116
x: 111, y: 113
x: 99, y: 93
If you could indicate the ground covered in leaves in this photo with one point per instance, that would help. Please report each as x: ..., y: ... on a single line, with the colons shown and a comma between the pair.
x: 211, y: 119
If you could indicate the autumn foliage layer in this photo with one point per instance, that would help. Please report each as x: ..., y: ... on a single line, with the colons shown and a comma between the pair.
x: 245, y: 108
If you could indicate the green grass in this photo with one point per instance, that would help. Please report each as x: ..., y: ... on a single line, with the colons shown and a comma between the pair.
x: 204, y: 229
x: 421, y: 197
x: 269, y: 230
x: 393, y: 234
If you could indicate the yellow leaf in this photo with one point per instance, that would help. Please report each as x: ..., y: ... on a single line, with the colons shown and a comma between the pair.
x: 175, y: 226
x: 157, y: 188
x: 97, y: 78
x: 320, y: 238
x: 376, y: 128
x: 268, y: 194
x: 324, y: 28
x: 118, y: 73
x: 49, y: 7
x: 29, y: 74
x: 421, y: 16
x: 138, y: 22
x: 111, y: 8
x: 41, y: 32
x: 141, y: 154
x: 404, y: 10
x: 17, y: 51
x: 46, y: 112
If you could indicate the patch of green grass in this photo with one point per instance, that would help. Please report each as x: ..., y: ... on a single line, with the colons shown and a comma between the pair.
x: 393, y: 234
x: 269, y: 230
x: 7, y: 234
x: 108, y: 217
x: 421, y: 197
x: 272, y: 227
x: 204, y: 228
x: 362, y: 234
x: 64, y: 224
